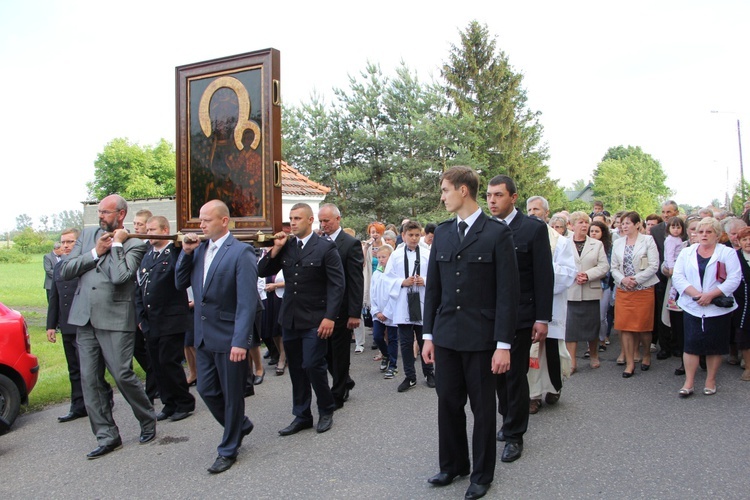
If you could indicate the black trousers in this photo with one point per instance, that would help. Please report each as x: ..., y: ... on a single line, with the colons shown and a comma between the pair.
x: 513, y: 389
x: 306, y: 357
x: 552, y: 348
x: 166, y: 353
x: 74, y: 373
x: 458, y: 375
x: 661, y: 331
x: 338, y: 358
x: 140, y: 353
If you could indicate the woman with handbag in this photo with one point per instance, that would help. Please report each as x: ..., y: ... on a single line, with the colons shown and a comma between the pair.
x: 635, y: 260
x: 705, y: 276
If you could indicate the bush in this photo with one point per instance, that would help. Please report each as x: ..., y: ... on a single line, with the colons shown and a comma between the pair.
x: 13, y: 256
x: 29, y: 241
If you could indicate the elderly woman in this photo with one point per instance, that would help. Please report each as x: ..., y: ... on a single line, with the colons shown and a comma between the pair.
x: 584, y: 321
x: 635, y: 260
x: 559, y: 224
x: 741, y: 317
x: 705, y: 276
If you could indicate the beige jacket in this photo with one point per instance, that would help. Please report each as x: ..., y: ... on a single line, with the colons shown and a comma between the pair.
x: 592, y: 261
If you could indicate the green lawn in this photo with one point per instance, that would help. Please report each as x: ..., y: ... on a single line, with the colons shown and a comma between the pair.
x: 22, y: 289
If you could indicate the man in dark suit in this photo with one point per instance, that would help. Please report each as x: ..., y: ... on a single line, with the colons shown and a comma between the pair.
x: 471, y: 302
x: 224, y: 274
x: 103, y: 309
x: 339, y: 344
x: 313, y: 291
x: 58, y: 310
x: 163, y: 313
x: 49, y: 261
x: 661, y: 331
x: 140, y: 350
x: 534, y: 257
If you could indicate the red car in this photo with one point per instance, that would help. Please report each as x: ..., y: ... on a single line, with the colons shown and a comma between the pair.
x: 19, y: 369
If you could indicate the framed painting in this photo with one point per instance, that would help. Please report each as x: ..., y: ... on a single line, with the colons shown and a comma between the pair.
x: 229, y: 140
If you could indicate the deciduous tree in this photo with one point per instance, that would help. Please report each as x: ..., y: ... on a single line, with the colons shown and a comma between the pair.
x: 134, y: 171
x: 627, y: 178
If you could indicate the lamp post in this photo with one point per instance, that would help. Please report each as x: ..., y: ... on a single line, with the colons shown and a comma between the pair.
x: 742, y: 167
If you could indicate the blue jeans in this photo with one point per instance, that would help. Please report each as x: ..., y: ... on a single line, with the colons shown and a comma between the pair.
x: 406, y: 334
x: 388, y: 349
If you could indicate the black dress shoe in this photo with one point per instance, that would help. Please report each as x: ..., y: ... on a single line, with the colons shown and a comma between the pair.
x: 222, y: 464
x: 147, y: 436
x: 249, y: 390
x: 500, y: 435
x: 179, y: 415
x: 100, y: 451
x: 680, y: 370
x: 273, y: 361
x: 627, y: 374
x: 645, y: 368
x: 295, y: 427
x: 512, y: 452
x: 663, y: 354
x: 444, y: 478
x: 476, y: 491
x: 163, y: 416
x: 71, y: 416
x: 259, y: 378
x: 324, y: 423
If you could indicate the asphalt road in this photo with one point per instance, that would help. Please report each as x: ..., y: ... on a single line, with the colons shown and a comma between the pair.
x: 608, y: 437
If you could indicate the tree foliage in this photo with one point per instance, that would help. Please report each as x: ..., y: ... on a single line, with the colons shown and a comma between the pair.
x: 498, y: 127
x: 134, y: 171
x: 627, y: 178
x: 30, y: 241
x: 384, y: 141
x: 23, y: 221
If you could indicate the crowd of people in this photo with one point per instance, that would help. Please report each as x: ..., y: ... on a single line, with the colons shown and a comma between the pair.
x: 494, y: 306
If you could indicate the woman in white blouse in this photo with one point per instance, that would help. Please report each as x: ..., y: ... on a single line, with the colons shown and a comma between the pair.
x: 705, y: 276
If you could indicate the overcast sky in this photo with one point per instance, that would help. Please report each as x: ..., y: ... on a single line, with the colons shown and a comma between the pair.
x: 77, y: 74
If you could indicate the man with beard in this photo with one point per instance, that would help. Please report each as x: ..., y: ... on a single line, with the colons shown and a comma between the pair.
x: 103, y: 309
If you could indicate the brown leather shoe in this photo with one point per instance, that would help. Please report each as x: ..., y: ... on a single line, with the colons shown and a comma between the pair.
x: 534, y: 405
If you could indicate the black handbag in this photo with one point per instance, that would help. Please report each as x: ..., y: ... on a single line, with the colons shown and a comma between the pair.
x: 723, y: 301
x: 367, y: 317
x: 413, y: 300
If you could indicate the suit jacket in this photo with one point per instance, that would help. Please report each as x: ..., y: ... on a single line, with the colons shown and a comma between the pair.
x: 644, y: 252
x: 593, y: 262
x: 225, y: 305
x: 314, y: 282
x: 659, y: 234
x: 472, y: 287
x: 352, y: 260
x: 60, y: 301
x: 161, y: 308
x: 49, y: 261
x: 105, y: 291
x: 534, y: 257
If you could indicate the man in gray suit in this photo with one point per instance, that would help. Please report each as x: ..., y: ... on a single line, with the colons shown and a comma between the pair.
x: 104, y: 312
x: 50, y: 259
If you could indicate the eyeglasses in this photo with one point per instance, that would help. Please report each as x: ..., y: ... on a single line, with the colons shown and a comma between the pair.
x: 107, y: 212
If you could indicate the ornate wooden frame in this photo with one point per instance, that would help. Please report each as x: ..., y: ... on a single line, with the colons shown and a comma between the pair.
x: 229, y: 140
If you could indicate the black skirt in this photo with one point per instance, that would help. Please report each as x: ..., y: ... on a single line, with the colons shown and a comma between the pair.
x: 707, y: 336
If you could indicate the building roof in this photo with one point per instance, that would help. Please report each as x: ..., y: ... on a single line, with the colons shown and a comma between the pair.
x: 293, y: 183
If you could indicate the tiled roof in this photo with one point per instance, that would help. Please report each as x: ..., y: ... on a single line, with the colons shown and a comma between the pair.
x: 296, y: 184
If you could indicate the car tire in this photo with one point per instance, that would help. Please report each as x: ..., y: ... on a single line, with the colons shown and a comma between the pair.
x: 10, y: 400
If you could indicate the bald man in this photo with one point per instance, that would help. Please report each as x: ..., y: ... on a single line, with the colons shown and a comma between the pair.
x: 223, y: 273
